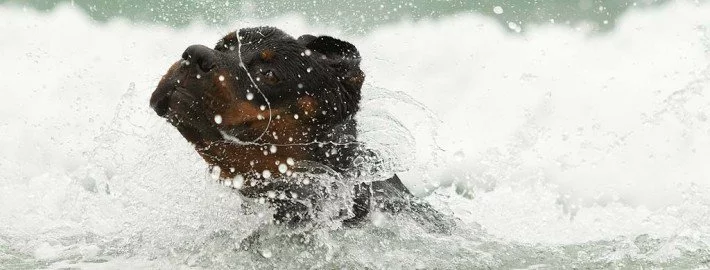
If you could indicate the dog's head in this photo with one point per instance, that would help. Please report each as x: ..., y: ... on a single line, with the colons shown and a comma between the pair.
x: 260, y: 89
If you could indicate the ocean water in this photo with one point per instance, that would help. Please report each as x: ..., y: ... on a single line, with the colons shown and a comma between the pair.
x: 557, y: 147
x: 354, y: 17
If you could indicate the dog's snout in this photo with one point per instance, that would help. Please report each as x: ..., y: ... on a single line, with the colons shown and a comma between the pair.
x: 159, y: 101
x: 204, y: 57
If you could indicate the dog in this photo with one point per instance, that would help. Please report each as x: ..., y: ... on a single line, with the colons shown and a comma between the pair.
x: 260, y: 102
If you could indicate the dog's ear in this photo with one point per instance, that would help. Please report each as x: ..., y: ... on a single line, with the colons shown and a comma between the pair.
x: 341, y: 56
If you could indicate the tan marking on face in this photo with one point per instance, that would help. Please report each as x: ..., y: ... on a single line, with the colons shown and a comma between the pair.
x: 241, y: 111
x: 292, y: 141
x: 219, y: 99
x: 292, y: 138
x: 267, y: 55
x: 288, y: 129
x: 248, y: 160
x: 308, y: 106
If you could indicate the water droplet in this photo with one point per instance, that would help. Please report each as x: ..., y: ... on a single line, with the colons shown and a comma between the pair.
x: 308, y: 52
x: 262, y: 107
x: 295, y: 116
x: 215, y: 172
x: 198, y: 76
x: 306, y: 181
x: 250, y: 96
x: 514, y: 26
x: 221, y: 78
x: 238, y: 181
x: 218, y: 119
x: 309, y: 70
x: 266, y: 174
x: 290, y: 161
x: 283, y: 168
x: 300, y: 86
x: 272, y: 149
x: 498, y: 10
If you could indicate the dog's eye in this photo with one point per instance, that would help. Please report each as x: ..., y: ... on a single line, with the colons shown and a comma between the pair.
x: 269, y: 77
x: 227, y: 43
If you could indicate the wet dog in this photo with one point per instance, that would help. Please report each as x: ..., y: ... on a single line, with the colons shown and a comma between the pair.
x: 261, y: 102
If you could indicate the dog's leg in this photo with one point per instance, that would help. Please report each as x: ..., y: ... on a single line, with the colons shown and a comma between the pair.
x: 289, y: 212
x: 393, y: 197
x: 361, y: 207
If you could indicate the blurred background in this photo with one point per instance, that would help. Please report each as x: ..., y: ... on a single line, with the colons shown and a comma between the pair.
x: 356, y: 16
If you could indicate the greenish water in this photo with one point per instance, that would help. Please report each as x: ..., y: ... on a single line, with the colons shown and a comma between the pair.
x: 354, y: 16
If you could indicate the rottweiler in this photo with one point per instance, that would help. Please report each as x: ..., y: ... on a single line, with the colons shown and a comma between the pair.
x: 260, y: 102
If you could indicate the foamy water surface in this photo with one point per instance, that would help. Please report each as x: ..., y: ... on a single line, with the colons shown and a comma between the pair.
x: 554, y: 148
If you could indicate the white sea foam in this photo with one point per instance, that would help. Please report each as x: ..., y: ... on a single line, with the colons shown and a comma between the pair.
x: 613, y: 128
x: 552, y: 136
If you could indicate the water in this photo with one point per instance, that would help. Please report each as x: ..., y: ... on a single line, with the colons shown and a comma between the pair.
x: 553, y: 148
x: 354, y: 16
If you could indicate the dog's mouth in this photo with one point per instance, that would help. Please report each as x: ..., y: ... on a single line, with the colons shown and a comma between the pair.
x: 192, y: 125
x: 203, y: 108
x: 184, y: 94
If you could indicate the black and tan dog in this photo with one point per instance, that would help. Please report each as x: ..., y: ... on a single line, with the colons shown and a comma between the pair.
x: 260, y: 101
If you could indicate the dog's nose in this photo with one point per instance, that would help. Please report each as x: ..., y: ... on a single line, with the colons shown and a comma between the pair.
x: 202, y: 56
